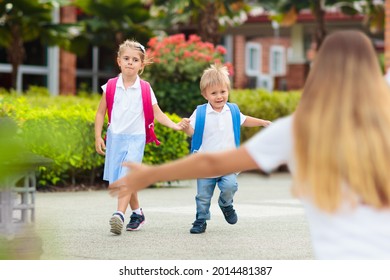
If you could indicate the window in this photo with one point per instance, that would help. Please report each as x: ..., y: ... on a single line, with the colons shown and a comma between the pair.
x: 227, y: 42
x: 252, y: 59
x: 3, y: 56
x: 36, y: 54
x: 98, y: 65
x: 277, y: 61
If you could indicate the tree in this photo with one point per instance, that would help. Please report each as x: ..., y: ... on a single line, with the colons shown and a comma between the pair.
x: 109, y: 22
x: 287, y: 11
x: 23, y: 21
x: 207, y: 16
x: 373, y: 11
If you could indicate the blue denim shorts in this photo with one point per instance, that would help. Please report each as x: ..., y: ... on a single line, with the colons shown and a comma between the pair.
x: 121, y: 148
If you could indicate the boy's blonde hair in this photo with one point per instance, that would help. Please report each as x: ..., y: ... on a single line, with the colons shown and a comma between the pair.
x: 342, y: 126
x: 132, y: 44
x: 216, y: 74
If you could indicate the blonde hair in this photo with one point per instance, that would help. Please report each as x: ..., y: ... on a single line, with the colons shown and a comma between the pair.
x: 216, y: 74
x: 132, y: 44
x: 342, y: 126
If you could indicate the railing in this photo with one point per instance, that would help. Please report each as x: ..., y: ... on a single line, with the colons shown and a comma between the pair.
x: 17, y: 203
x: 18, y: 239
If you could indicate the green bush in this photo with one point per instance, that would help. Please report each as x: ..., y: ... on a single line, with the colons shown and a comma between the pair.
x: 66, y: 137
x: 264, y: 105
x: 181, y: 98
x: 62, y: 129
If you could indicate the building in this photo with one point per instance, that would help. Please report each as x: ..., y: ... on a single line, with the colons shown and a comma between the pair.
x: 60, y: 71
x: 263, y: 54
x: 272, y: 57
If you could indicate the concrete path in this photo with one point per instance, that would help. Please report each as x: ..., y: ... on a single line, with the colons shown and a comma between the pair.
x: 271, y: 225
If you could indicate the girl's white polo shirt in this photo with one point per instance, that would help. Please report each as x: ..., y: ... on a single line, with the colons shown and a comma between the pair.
x: 127, y: 116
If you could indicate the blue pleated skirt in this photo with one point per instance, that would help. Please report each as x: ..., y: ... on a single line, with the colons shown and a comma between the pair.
x: 121, y: 148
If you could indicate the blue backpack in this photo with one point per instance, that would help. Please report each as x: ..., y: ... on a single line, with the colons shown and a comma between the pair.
x: 197, y: 138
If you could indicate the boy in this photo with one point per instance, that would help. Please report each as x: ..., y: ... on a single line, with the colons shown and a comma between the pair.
x: 217, y: 129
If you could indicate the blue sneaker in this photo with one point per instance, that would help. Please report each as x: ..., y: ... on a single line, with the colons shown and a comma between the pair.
x: 199, y: 226
x: 116, y: 223
x: 136, y: 221
x: 230, y: 214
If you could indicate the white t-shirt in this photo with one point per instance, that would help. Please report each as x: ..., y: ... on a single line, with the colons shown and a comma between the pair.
x: 359, y: 233
x: 218, y: 134
x: 127, y: 116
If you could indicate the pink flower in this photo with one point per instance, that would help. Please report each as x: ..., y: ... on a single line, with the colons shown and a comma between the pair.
x: 152, y: 42
x: 221, y: 50
x: 230, y: 68
x: 176, y: 56
x: 194, y: 38
x: 209, y: 46
x: 187, y: 54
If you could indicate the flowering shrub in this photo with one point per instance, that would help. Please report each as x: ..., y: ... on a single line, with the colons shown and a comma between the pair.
x: 177, y: 68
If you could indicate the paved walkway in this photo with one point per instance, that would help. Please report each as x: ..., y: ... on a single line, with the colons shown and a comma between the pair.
x: 271, y: 225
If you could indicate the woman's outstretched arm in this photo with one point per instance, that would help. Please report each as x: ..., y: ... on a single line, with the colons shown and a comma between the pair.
x: 197, y: 165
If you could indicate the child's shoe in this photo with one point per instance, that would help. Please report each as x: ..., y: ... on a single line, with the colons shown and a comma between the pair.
x: 230, y: 214
x: 136, y: 221
x: 116, y: 223
x: 199, y: 226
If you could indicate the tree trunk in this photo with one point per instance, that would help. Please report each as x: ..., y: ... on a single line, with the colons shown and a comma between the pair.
x: 119, y: 38
x: 15, y: 54
x: 320, y: 30
x: 208, y: 25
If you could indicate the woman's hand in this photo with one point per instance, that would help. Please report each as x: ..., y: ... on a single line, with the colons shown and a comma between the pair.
x: 138, y: 177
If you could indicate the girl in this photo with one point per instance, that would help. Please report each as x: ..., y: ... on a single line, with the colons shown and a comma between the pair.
x: 126, y: 134
x: 337, y: 146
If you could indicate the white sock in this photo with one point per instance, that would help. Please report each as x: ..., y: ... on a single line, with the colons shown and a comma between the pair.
x: 138, y: 211
x: 121, y: 214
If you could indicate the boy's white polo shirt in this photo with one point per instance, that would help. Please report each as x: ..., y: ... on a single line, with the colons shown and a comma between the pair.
x: 127, y: 116
x: 218, y: 134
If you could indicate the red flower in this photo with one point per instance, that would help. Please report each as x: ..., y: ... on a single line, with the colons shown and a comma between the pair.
x: 221, y: 50
x: 174, y: 56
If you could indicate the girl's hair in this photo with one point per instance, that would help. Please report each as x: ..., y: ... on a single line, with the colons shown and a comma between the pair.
x: 342, y: 126
x: 216, y: 74
x: 132, y: 44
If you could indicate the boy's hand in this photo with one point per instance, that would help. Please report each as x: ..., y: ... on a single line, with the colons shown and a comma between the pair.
x: 100, y: 146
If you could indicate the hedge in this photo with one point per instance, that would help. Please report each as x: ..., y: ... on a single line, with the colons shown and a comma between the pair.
x: 264, y: 105
x: 62, y: 129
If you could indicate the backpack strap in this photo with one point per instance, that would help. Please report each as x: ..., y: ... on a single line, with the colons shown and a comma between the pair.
x: 147, y: 106
x: 197, y: 138
x: 110, y: 93
x: 236, y: 117
x: 148, y: 113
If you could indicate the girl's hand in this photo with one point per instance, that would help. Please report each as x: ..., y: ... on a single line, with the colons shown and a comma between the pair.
x: 266, y: 123
x: 100, y: 146
x: 184, y: 123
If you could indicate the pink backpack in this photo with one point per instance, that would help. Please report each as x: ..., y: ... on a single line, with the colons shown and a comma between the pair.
x: 147, y: 106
